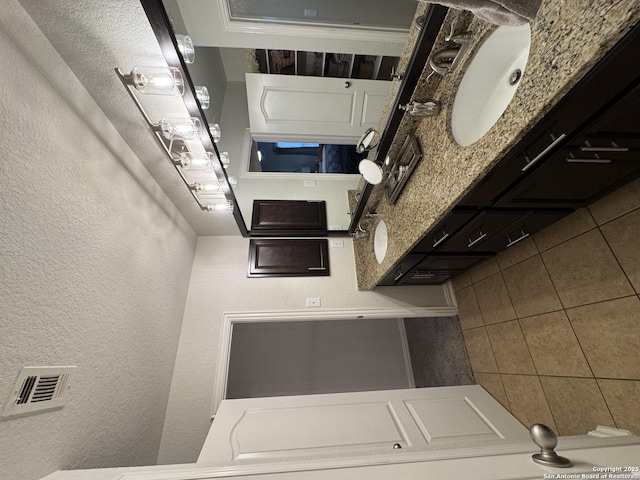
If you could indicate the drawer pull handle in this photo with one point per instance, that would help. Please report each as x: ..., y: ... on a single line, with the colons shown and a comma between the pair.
x: 438, y: 242
x: 543, y: 153
x: 420, y: 274
x: 519, y: 239
x: 604, y: 149
x: 398, y: 276
x: 588, y: 160
x: 316, y: 268
x: 473, y: 242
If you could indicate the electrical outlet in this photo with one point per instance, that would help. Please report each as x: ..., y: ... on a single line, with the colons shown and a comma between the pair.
x: 310, y: 13
x: 313, y: 302
x: 309, y: 183
x: 335, y: 227
x: 336, y: 243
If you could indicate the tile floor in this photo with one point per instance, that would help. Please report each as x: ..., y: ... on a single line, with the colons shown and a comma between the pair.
x: 552, y: 325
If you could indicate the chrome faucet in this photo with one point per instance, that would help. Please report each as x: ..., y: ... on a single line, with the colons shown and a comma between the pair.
x: 446, y: 60
x: 364, y: 222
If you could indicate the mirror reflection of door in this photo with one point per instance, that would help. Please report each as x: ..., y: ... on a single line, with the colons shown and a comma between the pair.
x: 296, y: 157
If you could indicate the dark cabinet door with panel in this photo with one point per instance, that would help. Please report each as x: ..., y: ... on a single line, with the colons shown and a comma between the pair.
x: 293, y: 216
x: 284, y: 257
x: 400, y: 270
x: 595, y: 161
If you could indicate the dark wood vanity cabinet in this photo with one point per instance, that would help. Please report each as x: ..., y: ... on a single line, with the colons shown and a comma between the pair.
x: 285, y: 257
x: 585, y: 147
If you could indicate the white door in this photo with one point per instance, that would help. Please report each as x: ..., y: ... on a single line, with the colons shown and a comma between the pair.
x: 328, y: 110
x: 335, y: 425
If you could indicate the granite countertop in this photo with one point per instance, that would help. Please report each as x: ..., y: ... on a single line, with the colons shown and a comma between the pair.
x: 568, y: 38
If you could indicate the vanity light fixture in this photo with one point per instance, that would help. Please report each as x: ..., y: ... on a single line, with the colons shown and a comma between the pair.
x: 207, y: 187
x: 156, y: 80
x: 180, y: 128
x: 202, y: 94
x: 214, y: 130
x: 219, y: 207
x: 195, y: 162
x: 224, y: 158
x: 173, y: 132
x: 187, y: 50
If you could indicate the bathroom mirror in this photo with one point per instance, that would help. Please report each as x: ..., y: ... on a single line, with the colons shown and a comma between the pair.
x: 368, y: 141
x: 233, y: 38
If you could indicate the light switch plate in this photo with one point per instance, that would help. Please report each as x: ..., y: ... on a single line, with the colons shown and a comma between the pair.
x: 309, y: 183
x: 313, y: 302
x: 336, y: 243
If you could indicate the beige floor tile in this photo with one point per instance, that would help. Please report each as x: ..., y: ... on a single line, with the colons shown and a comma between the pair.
x: 530, y: 288
x: 622, y: 236
x: 553, y: 345
x: 570, y: 226
x: 576, y: 403
x: 609, y: 333
x: 583, y: 270
x: 516, y: 254
x: 479, y: 350
x: 468, y: 309
x: 509, y: 348
x: 618, y: 203
x: 484, y: 269
x: 494, y: 300
x: 527, y: 400
x: 492, y: 383
x: 623, y: 399
x: 461, y: 281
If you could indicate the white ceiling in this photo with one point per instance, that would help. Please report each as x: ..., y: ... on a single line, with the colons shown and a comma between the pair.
x: 94, y: 37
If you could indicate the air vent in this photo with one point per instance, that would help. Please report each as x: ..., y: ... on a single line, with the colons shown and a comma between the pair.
x: 39, y: 388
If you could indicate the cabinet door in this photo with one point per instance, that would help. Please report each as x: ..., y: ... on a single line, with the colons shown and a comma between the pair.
x: 405, y: 265
x: 288, y: 257
x: 289, y: 215
x: 445, y: 229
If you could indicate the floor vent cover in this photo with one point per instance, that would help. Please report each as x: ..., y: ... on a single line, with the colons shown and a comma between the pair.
x: 39, y: 388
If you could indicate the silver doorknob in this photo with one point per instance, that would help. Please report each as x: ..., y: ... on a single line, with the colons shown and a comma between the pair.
x: 544, y: 437
x: 396, y: 446
x: 347, y: 84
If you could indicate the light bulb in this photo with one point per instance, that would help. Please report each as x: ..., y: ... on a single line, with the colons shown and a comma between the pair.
x: 195, y: 162
x: 187, y: 50
x: 224, y: 158
x: 215, y: 132
x: 224, y: 207
x: 207, y: 187
x: 233, y: 180
x: 158, y: 80
x: 202, y: 93
x: 185, y: 128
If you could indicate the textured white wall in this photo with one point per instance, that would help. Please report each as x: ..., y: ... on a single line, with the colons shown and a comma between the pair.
x: 219, y: 284
x: 95, y: 264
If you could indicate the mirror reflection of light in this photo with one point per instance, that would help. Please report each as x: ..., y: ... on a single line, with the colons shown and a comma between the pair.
x: 259, y: 156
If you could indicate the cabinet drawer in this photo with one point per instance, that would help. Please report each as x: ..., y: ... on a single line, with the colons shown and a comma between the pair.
x: 474, y: 235
x: 405, y: 265
x: 573, y: 178
x: 438, y: 235
x: 438, y: 268
x: 524, y: 227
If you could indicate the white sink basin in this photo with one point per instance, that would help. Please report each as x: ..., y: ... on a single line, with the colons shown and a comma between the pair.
x: 490, y: 83
x: 380, y: 239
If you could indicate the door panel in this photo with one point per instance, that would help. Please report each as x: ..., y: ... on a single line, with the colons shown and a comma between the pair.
x: 290, y: 215
x: 288, y: 257
x: 337, y: 425
x: 304, y: 107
